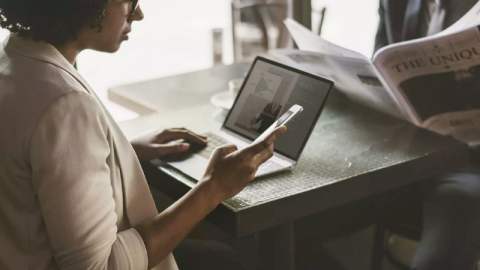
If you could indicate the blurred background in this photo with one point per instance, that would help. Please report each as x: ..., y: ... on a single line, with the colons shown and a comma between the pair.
x: 176, y: 37
x: 179, y: 36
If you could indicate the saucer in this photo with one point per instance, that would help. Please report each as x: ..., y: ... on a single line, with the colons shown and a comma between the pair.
x: 223, y: 100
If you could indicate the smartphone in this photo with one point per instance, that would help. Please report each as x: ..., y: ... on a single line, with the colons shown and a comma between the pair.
x: 284, y: 120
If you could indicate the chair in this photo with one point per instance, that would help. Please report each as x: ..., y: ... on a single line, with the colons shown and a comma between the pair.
x: 321, y: 14
x: 383, y: 231
x: 406, y: 227
x: 258, y: 27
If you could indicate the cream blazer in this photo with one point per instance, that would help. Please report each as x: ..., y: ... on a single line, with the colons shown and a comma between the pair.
x: 71, y: 186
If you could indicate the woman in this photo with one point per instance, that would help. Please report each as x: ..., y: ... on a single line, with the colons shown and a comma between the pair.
x: 72, y: 192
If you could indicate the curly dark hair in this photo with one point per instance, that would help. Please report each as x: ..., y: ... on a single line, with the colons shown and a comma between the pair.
x: 54, y: 21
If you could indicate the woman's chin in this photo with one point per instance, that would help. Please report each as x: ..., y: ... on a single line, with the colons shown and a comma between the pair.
x: 111, y: 48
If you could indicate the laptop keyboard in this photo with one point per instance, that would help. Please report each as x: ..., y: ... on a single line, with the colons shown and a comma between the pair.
x: 269, y: 166
x: 215, y: 141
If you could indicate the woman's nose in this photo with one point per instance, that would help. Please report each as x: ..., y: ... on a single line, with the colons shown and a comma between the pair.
x: 138, y: 14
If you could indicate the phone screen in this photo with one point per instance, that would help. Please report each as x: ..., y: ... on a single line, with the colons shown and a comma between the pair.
x: 283, y: 118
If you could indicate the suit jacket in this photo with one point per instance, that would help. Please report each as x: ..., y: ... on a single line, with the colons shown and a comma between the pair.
x: 400, y: 19
x: 71, y: 186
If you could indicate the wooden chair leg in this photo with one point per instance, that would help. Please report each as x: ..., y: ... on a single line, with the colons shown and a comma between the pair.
x: 378, y: 246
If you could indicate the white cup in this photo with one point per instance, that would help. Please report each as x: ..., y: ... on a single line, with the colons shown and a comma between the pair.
x: 235, y: 85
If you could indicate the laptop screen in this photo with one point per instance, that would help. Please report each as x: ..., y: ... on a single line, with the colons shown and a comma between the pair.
x: 269, y: 90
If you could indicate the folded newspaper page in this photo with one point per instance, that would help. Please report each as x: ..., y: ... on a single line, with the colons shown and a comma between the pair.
x: 432, y: 82
x: 437, y: 81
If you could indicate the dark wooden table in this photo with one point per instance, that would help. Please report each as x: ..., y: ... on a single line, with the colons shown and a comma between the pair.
x: 354, y: 153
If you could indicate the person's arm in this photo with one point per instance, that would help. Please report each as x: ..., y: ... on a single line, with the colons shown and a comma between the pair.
x: 381, y: 39
x: 73, y: 182
x: 228, y: 173
x: 69, y: 150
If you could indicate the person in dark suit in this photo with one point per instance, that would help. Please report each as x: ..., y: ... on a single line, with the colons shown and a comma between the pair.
x: 448, y: 206
x: 402, y: 20
x: 267, y: 116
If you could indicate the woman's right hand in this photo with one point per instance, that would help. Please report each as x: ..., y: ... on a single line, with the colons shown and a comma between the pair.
x: 230, y: 170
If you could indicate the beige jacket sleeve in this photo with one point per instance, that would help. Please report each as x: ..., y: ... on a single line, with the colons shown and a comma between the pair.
x: 72, y: 180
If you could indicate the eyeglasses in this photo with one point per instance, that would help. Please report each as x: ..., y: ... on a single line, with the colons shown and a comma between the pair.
x: 134, y: 6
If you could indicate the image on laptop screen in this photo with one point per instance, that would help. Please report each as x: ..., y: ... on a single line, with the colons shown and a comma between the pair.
x: 269, y: 91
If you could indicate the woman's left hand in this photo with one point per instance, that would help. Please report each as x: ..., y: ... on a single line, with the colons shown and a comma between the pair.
x: 161, y: 143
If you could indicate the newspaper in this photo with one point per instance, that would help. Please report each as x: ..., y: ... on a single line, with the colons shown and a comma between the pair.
x: 432, y: 82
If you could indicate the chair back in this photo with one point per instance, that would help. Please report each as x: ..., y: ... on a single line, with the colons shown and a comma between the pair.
x: 258, y: 27
x: 321, y: 19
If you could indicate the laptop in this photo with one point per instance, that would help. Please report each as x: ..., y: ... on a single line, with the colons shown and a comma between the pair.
x: 269, y: 90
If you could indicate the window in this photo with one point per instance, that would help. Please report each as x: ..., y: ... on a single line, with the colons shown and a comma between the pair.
x: 349, y: 23
x: 175, y: 37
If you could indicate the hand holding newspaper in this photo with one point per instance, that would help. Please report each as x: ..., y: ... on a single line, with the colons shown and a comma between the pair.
x: 433, y: 82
